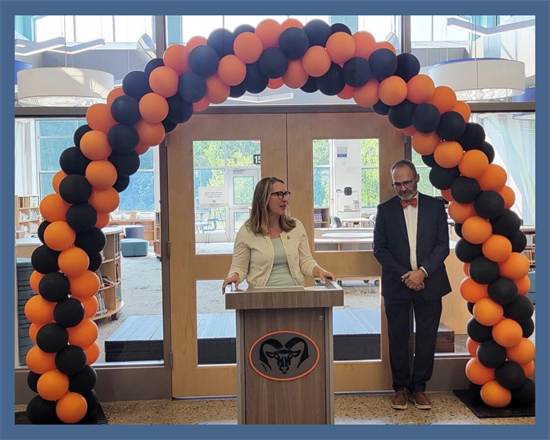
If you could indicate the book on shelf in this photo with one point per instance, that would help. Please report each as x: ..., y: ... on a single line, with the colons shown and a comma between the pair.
x: 318, y: 217
x: 100, y: 276
x: 102, y: 304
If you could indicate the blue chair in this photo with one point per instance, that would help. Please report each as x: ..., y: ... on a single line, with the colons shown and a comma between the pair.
x: 134, y: 247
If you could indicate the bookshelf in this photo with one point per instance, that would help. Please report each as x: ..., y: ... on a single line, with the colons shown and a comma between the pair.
x: 321, y: 218
x: 529, y: 252
x: 157, y: 243
x: 27, y: 214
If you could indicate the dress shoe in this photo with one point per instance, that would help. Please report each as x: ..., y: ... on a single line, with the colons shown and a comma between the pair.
x: 421, y: 401
x: 400, y: 399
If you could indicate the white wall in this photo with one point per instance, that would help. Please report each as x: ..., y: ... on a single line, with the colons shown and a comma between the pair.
x: 346, y: 172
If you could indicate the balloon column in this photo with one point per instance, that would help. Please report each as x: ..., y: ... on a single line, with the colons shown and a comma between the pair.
x: 313, y: 57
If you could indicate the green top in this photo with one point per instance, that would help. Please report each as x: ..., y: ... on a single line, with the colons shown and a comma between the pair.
x: 280, y: 274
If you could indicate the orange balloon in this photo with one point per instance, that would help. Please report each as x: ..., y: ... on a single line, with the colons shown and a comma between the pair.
x: 472, y: 291
x: 33, y: 331
x: 194, y: 42
x: 494, y: 178
x: 164, y: 81
x: 59, y: 236
x: 385, y: 45
x: 90, y: 307
x: 392, y: 90
x: 59, y: 176
x: 201, y: 105
x: 515, y: 267
x: 508, y: 195
x: 487, y: 312
x: 346, y: 93
x: 420, y: 89
x: 34, y: 280
x: 460, y: 212
x: 269, y: 31
x: 316, y: 61
x: 473, y: 164
x: 150, y: 134
x: 73, y: 262
x: 529, y: 368
x: 446, y: 193
x: 95, y: 145
x: 522, y: 353
x: 507, y: 333
x: 425, y: 143
x: 216, y: 90
x: 477, y: 373
x: 275, y: 83
x: 443, y: 98
x: 176, y: 57
x: 409, y: 131
x: 497, y: 248
x: 524, y: 285
x: 102, y: 220
x: 53, y: 208
x: 291, y: 22
x: 71, y: 408
x: 39, y: 311
x: 466, y: 269
x: 231, y: 70
x: 295, y: 75
x: 101, y: 174
x: 448, y: 154
x: 142, y: 148
x: 248, y: 47
x: 84, y: 334
x: 495, y: 395
x: 340, y: 47
x: 114, y: 94
x: 367, y: 95
x: 84, y: 286
x: 477, y: 230
x: 39, y: 361
x: 472, y: 345
x: 365, y: 44
x: 53, y: 385
x: 99, y: 117
x: 105, y: 200
x: 463, y: 109
x: 92, y: 353
x: 153, y: 108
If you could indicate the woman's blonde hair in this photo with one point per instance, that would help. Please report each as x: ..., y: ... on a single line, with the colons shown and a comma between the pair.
x: 258, y: 221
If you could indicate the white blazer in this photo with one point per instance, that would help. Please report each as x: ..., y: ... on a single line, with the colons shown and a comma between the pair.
x: 253, y: 256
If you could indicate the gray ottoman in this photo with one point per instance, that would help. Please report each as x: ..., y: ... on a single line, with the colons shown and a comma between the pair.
x: 134, y: 231
x: 134, y: 247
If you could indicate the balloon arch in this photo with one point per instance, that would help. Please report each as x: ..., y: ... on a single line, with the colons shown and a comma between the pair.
x: 313, y: 57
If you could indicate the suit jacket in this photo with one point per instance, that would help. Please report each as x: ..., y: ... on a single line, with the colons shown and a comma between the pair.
x: 391, y: 246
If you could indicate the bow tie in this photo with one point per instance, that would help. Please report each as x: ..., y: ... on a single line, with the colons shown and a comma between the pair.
x: 412, y: 202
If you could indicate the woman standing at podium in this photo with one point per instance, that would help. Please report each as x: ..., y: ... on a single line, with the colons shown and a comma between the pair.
x: 271, y: 248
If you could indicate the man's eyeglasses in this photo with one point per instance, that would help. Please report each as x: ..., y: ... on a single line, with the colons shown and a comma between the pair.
x: 282, y: 194
x: 405, y: 184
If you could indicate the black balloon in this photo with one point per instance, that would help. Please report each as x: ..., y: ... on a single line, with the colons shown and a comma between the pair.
x: 357, y: 72
x: 503, y: 291
x: 237, y: 91
x: 92, y: 241
x: 528, y: 328
x: 125, y: 164
x: 479, y: 332
x: 180, y: 111
x: 332, y: 82
x: 54, y: 287
x: 458, y: 229
x: 383, y: 63
x: 473, y: 137
x: 204, y: 61
x: 71, y: 360
x: 32, y: 380
x: 510, y: 375
x: 92, y: 400
x: 381, y: 108
x: 318, y: 32
x: 340, y: 27
x: 80, y: 131
x: 136, y: 84
x: 429, y: 160
x: 426, y: 118
x: 191, y: 87
x: 221, y: 40
x: 490, y: 354
x: 75, y: 189
x: 95, y: 261
x: 524, y: 396
x: 475, y: 390
x: 470, y: 307
x: 310, y: 86
x: 72, y: 161
x: 519, y: 241
x: 44, y: 259
x: 41, y: 230
x: 243, y: 28
x: 123, y: 138
x: 521, y: 310
x: 466, y: 251
x: 506, y: 224
x: 400, y: 116
x: 489, y: 151
x: 407, y: 66
x: 125, y: 110
x: 51, y: 338
x: 41, y: 411
x: 294, y: 43
x: 152, y: 65
x: 255, y: 81
x: 484, y: 271
x: 465, y: 189
x: 69, y: 313
x: 168, y: 124
x: 451, y: 126
x: 489, y: 205
x: 442, y: 178
x: 82, y: 217
x: 84, y: 381
x: 273, y: 62
x: 121, y: 183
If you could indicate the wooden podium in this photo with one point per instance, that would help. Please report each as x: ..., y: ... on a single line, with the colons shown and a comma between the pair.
x: 285, y: 354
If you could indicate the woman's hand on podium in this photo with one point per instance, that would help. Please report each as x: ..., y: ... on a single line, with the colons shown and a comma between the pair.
x: 322, y: 274
x: 233, y: 278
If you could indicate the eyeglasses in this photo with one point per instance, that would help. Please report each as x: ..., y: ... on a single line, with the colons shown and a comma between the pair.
x: 282, y: 194
x: 405, y: 184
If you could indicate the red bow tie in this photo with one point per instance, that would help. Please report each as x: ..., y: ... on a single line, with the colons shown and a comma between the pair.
x: 412, y: 202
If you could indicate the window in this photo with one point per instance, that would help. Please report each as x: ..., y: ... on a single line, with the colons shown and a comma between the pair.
x: 321, y: 173
x: 370, y: 182
x: 140, y: 194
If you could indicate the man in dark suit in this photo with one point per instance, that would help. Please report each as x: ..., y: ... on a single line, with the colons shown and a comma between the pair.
x: 411, y: 242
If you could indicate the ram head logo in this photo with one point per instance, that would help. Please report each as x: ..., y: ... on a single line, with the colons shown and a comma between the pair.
x: 295, y: 348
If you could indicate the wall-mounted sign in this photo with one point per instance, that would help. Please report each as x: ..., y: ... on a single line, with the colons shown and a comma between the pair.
x: 213, y: 196
x: 257, y: 158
